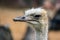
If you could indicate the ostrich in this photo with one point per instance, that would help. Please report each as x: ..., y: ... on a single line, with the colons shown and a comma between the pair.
x: 5, y: 33
x: 37, y: 21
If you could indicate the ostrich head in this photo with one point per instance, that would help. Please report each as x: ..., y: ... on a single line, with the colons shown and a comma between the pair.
x: 32, y: 16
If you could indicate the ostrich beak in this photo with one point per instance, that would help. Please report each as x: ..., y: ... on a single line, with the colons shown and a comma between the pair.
x: 23, y: 19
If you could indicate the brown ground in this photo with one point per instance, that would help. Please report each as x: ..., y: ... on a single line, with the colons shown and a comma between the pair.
x: 18, y: 29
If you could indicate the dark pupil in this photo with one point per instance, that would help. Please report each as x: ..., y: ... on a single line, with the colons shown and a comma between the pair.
x: 37, y: 16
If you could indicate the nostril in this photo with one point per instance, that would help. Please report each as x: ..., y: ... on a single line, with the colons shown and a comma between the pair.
x: 23, y: 17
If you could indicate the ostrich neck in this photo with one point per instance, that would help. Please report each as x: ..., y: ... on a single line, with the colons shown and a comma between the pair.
x: 42, y: 34
x: 37, y: 35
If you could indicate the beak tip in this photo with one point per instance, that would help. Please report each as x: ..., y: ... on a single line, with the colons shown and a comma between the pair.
x: 14, y: 20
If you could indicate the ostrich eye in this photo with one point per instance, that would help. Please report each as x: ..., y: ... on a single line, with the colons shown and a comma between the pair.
x: 36, y: 16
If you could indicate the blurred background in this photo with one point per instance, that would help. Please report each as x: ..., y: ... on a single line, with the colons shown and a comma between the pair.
x: 9, y: 9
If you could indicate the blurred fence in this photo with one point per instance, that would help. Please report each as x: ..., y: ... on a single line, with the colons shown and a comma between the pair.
x: 21, y: 3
